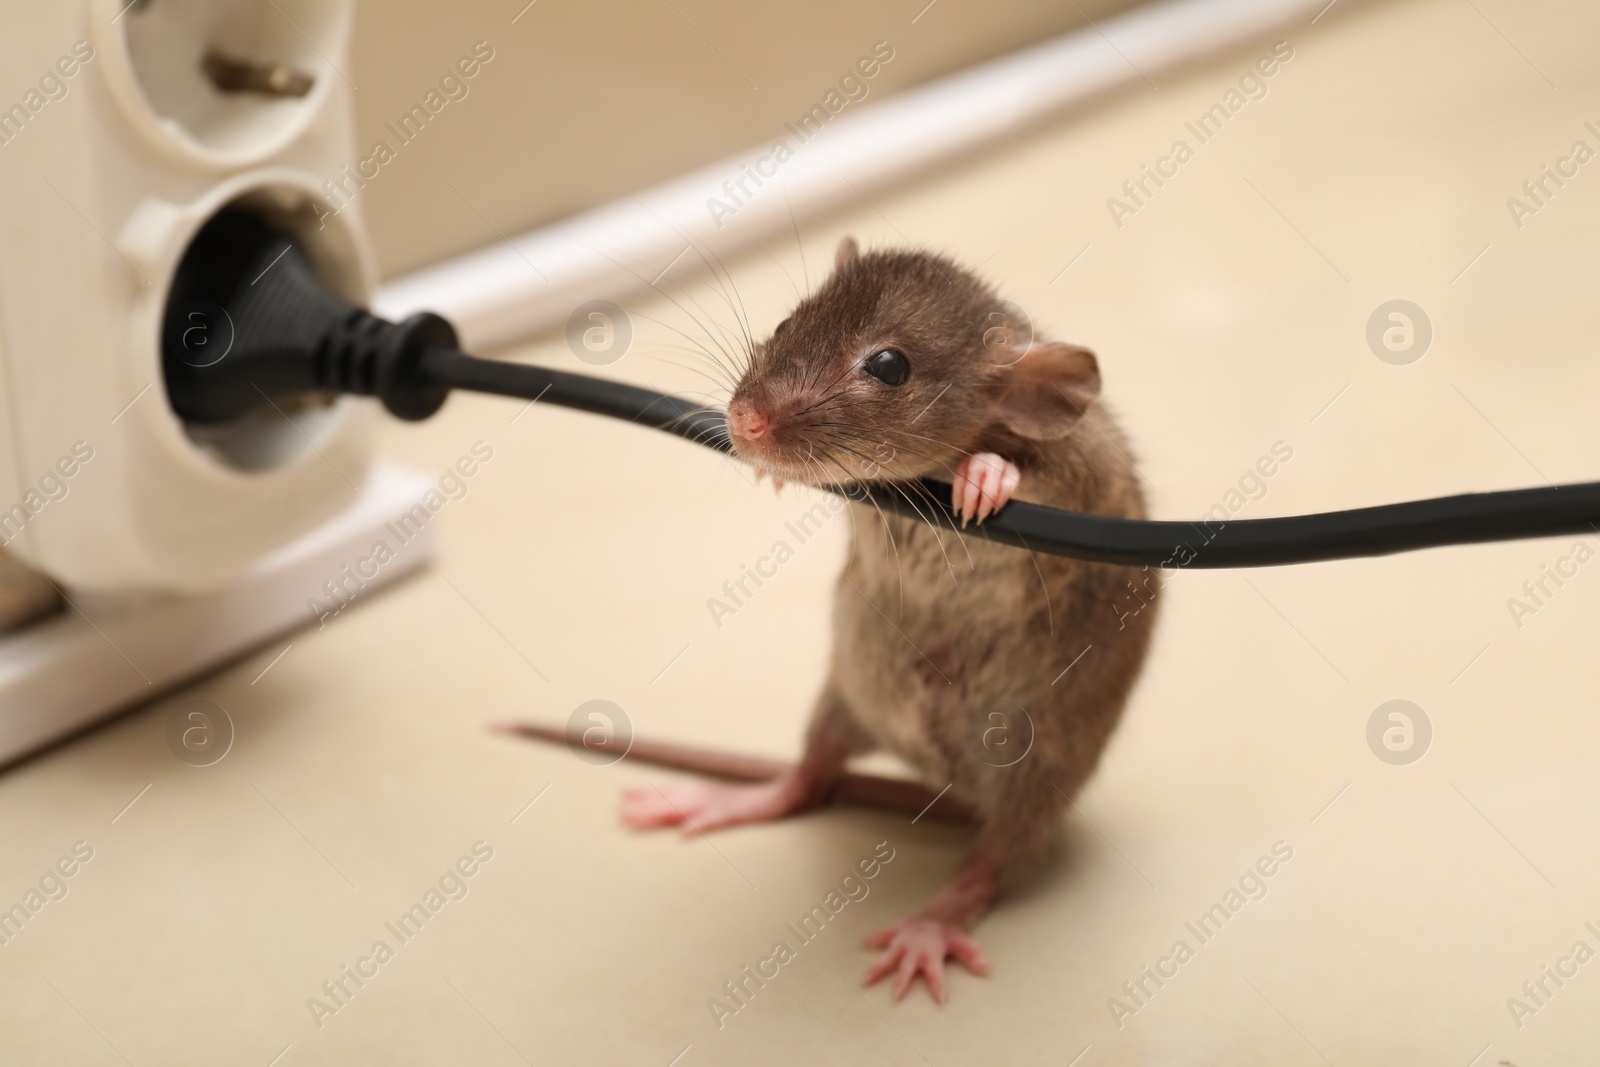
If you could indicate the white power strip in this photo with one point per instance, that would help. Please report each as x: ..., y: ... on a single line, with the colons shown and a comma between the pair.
x: 124, y: 129
x: 116, y: 148
x: 104, y: 654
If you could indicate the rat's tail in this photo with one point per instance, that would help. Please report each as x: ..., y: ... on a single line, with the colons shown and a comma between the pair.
x: 864, y: 790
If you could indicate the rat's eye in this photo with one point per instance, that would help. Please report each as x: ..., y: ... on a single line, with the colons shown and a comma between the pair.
x: 889, y: 366
x: 784, y: 325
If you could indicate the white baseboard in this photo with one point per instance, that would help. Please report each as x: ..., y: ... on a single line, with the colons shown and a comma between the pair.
x: 65, y: 672
x: 534, y: 281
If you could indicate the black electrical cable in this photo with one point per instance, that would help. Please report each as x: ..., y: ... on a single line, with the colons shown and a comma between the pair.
x: 251, y: 287
x: 1240, y: 543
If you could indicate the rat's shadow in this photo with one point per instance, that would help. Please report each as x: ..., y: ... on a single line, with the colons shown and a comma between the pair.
x: 1062, y: 861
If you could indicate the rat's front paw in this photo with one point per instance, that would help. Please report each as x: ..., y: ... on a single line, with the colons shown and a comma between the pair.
x: 983, y: 485
x: 920, y: 946
x: 700, y: 806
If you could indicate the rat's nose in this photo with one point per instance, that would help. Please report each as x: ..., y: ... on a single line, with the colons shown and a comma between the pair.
x: 746, y: 422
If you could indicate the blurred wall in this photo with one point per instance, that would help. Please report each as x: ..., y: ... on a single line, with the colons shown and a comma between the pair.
x: 582, y: 102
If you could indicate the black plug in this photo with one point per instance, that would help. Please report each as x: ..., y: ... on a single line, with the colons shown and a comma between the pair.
x: 249, y: 322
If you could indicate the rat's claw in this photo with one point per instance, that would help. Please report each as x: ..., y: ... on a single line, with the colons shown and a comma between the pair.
x: 963, y: 492
x: 920, y: 946
x: 969, y: 953
x: 998, y: 486
x: 983, y: 484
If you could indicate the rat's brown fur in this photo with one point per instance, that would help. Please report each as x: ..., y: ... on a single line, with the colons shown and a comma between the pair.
x: 952, y: 654
x: 934, y: 632
x: 932, y: 639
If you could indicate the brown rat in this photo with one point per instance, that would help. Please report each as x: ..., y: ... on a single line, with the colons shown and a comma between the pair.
x: 991, y: 670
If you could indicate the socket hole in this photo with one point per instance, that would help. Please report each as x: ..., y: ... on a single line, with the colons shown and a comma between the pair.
x: 231, y: 75
x: 229, y: 81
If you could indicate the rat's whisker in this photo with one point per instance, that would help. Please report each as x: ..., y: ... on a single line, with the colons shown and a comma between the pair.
x: 652, y: 285
x: 691, y: 340
x: 799, y: 246
x: 894, y: 547
x: 715, y: 379
x: 856, y: 437
x: 766, y: 251
x: 717, y: 375
x: 916, y: 486
x: 1049, y: 609
x: 888, y: 533
x: 899, y: 488
x: 931, y: 440
x: 701, y: 251
x: 810, y: 408
x: 722, y: 284
x: 840, y: 377
x: 725, y: 364
x: 729, y: 343
x: 724, y: 340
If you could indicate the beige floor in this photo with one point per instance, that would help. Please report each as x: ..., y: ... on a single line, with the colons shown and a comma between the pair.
x: 1229, y: 314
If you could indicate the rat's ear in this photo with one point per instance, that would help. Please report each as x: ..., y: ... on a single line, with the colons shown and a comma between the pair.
x: 1044, y: 393
x: 845, y: 253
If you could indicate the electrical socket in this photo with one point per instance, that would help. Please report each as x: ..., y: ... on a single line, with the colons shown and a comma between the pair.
x: 116, y: 146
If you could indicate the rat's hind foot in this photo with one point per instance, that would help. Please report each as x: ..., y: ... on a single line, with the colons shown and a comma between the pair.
x: 920, y: 945
x: 983, y: 484
x: 700, y: 806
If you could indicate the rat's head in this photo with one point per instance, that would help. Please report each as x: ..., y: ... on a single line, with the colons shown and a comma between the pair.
x: 899, y: 365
